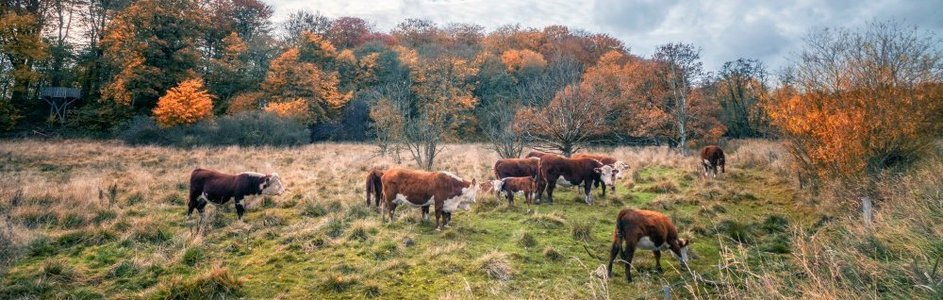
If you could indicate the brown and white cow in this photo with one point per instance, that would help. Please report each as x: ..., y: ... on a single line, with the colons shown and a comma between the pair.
x: 443, y: 190
x: 712, y: 157
x: 539, y: 154
x: 217, y: 187
x: 569, y: 171
x: 516, y: 167
x: 375, y: 187
x: 510, y: 185
x: 647, y: 230
x: 620, y: 168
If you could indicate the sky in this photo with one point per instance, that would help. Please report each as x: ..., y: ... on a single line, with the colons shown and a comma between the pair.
x: 771, y: 31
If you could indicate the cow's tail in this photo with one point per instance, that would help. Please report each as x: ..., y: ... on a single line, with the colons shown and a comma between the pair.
x: 374, y: 186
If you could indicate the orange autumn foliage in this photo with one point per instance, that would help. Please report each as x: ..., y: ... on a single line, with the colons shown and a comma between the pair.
x: 186, y: 103
x: 516, y: 60
x: 296, y: 109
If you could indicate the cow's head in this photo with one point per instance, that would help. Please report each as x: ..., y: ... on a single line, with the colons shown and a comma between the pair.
x: 497, y: 185
x: 683, y: 256
x: 469, y: 195
x: 272, y: 185
x: 622, y: 168
x: 607, y: 173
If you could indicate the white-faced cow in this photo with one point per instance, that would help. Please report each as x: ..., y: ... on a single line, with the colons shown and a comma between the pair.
x: 443, y: 190
x: 374, y: 187
x: 712, y: 157
x: 525, y: 185
x: 208, y: 185
x: 620, y: 168
x: 516, y: 167
x: 647, y: 230
x: 566, y: 171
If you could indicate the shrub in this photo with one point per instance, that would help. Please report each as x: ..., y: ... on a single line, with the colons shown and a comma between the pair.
x: 552, y: 254
x: 582, y: 231
x: 496, y: 266
x: 186, y: 103
x: 218, y: 283
x: 193, y: 255
x: 245, y: 129
x: 527, y: 240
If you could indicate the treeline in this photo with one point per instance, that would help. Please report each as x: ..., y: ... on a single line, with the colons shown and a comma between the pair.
x: 345, y: 80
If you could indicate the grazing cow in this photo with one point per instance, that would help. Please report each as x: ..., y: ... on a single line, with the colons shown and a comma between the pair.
x: 208, y: 185
x: 648, y: 230
x: 444, y: 190
x: 374, y: 187
x: 516, y: 167
x: 711, y: 158
x: 619, y: 168
x: 568, y: 171
x: 539, y: 154
x: 511, y: 185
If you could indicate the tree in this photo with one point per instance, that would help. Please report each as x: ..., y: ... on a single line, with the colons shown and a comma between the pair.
x: 303, y: 21
x: 290, y: 79
x: 22, y: 47
x: 739, y: 88
x: 150, y: 55
x: 573, y: 119
x: 228, y: 74
x: 680, y: 69
x: 186, y: 103
x: 347, y: 32
x: 861, y: 103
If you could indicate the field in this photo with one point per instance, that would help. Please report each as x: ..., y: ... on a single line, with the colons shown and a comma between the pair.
x: 89, y: 219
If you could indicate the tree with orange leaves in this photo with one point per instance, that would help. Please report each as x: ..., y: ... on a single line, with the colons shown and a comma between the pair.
x: 290, y: 79
x: 186, y: 103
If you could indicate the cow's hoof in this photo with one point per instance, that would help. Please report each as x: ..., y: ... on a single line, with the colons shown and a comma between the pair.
x: 438, y: 229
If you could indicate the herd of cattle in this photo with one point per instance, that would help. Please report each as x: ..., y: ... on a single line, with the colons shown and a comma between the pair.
x: 531, y: 176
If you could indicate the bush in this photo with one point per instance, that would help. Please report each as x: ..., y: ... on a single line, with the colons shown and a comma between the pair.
x: 245, y: 129
x: 218, y: 283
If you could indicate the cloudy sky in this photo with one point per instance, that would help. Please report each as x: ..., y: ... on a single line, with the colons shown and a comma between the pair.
x: 725, y: 29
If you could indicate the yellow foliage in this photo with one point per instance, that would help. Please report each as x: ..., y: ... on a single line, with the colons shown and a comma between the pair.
x: 243, y: 103
x: 296, y: 109
x: 186, y: 103
x: 516, y: 60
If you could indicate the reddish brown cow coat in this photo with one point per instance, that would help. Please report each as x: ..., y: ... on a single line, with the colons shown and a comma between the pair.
x: 443, y: 190
x: 516, y: 167
x: 573, y: 171
x: 374, y: 187
x: 712, y: 157
x: 208, y: 185
x: 539, y: 154
x: 645, y: 229
x: 510, y: 185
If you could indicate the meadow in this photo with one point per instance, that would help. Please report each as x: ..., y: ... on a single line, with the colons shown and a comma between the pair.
x: 92, y: 219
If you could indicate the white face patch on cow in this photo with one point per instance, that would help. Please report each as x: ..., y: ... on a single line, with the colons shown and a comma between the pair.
x: 606, y: 173
x: 273, y: 186
x: 497, y: 185
x: 401, y: 199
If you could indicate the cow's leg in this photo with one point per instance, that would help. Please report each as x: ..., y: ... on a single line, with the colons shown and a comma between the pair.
x: 587, y: 195
x: 438, y: 215
x: 192, y: 203
x: 627, y: 254
x: 448, y: 218
x: 240, y: 209
x: 541, y: 186
x: 616, y: 248
x: 550, y: 186
x: 510, y: 198
x: 657, y: 261
x: 425, y: 213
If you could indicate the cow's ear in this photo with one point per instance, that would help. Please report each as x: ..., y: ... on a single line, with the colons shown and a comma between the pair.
x: 598, y: 170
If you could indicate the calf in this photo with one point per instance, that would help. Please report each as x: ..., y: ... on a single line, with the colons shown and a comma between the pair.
x: 443, y: 190
x: 516, y: 167
x: 374, y: 187
x: 648, y: 230
x: 711, y: 158
x: 619, y: 168
x: 560, y: 170
x: 208, y: 185
x: 511, y: 185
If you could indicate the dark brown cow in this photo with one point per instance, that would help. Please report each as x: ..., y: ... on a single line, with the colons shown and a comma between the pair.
x: 375, y: 187
x: 208, y: 185
x: 648, y: 230
x: 619, y: 168
x: 566, y: 171
x: 711, y: 158
x: 511, y: 185
x: 516, y: 167
x: 444, y: 190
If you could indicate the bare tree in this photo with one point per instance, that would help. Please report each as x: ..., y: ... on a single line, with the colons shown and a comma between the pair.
x: 573, y: 119
x: 738, y: 89
x: 681, y: 69
x: 497, y: 126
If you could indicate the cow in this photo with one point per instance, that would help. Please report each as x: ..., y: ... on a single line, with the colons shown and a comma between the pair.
x: 619, y: 168
x: 555, y: 170
x: 443, y: 190
x: 511, y: 185
x: 374, y: 187
x: 539, y: 154
x: 711, y: 158
x: 647, y: 230
x: 217, y: 187
x: 516, y: 167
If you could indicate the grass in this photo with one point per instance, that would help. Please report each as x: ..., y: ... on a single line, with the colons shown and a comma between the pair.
x: 109, y: 220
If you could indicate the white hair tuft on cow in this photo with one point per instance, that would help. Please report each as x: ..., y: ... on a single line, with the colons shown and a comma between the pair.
x: 452, y: 175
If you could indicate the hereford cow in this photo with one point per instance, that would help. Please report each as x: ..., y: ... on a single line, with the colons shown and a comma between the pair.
x: 648, y: 230
x: 568, y: 171
x: 516, y: 167
x: 511, y: 185
x: 538, y: 154
x: 619, y: 168
x: 711, y: 158
x: 208, y: 185
x: 374, y: 187
x: 444, y: 190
